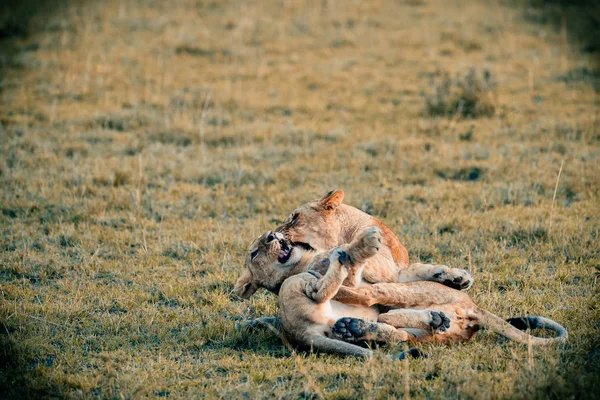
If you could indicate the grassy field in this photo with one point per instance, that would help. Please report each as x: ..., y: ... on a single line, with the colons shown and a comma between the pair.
x: 144, y: 144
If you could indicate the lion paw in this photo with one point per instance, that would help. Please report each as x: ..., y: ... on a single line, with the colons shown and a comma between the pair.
x: 440, y: 323
x: 366, y: 245
x: 453, y: 277
x: 371, y: 237
x: 339, y: 255
x: 350, y: 329
x: 343, y: 257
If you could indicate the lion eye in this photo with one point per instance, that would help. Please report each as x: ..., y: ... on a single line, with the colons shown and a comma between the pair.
x: 253, y: 255
x: 294, y: 218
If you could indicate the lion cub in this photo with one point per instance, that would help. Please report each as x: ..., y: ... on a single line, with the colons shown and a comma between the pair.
x: 327, y: 222
x: 327, y: 216
x: 318, y: 312
x: 323, y: 224
x: 310, y: 315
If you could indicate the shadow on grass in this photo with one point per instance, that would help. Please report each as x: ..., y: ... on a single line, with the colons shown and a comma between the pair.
x: 578, y: 22
x: 18, y: 378
x: 19, y: 20
x: 579, y: 19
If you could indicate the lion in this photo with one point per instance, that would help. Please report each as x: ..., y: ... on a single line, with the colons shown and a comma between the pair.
x: 326, y: 223
x: 317, y: 311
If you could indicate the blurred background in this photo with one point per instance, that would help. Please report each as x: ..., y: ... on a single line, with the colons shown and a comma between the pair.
x: 144, y: 144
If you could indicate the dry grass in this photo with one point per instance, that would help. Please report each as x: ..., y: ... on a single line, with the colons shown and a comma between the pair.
x: 468, y: 96
x: 144, y: 144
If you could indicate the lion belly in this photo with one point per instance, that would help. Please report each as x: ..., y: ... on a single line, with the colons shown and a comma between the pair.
x: 334, y: 310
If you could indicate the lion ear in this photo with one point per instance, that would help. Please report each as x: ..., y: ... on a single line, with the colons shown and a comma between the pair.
x: 332, y: 199
x: 245, y: 287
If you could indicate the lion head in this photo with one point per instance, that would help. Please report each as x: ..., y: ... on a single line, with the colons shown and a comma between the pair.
x: 268, y: 263
x: 313, y: 225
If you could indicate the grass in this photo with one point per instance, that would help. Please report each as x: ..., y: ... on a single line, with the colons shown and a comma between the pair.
x: 145, y: 144
x: 468, y: 96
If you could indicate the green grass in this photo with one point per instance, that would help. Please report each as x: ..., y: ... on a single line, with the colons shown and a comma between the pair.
x: 144, y: 144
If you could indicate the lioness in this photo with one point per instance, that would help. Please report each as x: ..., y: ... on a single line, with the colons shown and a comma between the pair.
x: 324, y: 224
x: 312, y: 314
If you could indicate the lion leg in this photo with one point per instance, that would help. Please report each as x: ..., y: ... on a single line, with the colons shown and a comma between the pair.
x: 333, y: 346
x: 452, y: 277
x: 431, y: 321
x: 398, y: 295
x: 418, y: 335
x: 327, y: 345
x: 360, y: 330
x: 365, y: 246
x: 345, y: 261
x: 447, y: 324
x: 327, y: 286
x: 395, y: 295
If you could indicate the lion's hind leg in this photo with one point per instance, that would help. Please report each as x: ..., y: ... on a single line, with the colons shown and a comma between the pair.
x: 453, y: 277
x: 432, y: 321
x: 332, y: 346
x: 360, y: 330
x: 420, y: 325
x: 447, y: 324
x: 327, y: 345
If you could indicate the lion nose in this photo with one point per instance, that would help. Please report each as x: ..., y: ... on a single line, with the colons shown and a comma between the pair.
x: 271, y: 236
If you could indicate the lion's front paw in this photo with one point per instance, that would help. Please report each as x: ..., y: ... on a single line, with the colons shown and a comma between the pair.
x: 350, y: 329
x: 343, y: 257
x: 340, y: 256
x: 367, y: 244
x: 440, y: 323
x: 453, y: 277
x: 370, y: 239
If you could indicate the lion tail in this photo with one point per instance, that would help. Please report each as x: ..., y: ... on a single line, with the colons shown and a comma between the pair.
x: 514, y: 328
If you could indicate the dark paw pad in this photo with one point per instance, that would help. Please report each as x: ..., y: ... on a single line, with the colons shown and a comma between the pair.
x: 349, y: 328
x: 343, y: 257
x: 439, y: 321
x: 459, y: 282
x: 463, y: 282
x: 411, y: 353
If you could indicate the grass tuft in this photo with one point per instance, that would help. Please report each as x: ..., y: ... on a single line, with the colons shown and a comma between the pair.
x: 469, y: 95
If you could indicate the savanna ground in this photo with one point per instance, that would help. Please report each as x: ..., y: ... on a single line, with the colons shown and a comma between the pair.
x: 144, y: 144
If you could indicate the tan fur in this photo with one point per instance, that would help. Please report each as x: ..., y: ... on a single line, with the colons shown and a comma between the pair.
x: 313, y: 306
x: 466, y: 317
x: 327, y: 223
x: 267, y: 272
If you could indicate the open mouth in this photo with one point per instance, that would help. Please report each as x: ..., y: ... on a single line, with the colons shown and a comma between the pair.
x: 285, y: 246
x: 285, y: 252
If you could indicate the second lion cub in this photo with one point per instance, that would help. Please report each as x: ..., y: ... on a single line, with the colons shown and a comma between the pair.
x: 318, y: 312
